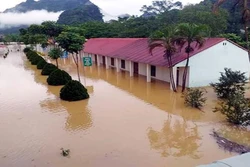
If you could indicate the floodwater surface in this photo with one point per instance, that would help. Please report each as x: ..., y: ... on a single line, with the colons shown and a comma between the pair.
x: 126, y: 122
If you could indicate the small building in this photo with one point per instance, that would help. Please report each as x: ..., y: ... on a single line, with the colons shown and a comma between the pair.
x: 132, y: 55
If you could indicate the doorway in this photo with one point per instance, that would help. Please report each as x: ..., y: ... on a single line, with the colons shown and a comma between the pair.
x: 95, y: 59
x: 104, y: 60
x: 177, y: 76
x: 136, y: 68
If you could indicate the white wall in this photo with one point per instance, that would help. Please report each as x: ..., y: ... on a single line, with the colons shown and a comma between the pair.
x: 162, y: 73
x: 205, y: 67
x: 142, y: 69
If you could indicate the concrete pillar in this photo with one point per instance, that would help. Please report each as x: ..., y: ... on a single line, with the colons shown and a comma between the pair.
x: 117, y: 65
x: 174, y: 77
x: 98, y: 60
x: 148, y: 73
x: 131, y: 69
x: 107, y: 62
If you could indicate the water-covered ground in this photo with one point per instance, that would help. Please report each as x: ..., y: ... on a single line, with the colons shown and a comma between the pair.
x: 125, y: 123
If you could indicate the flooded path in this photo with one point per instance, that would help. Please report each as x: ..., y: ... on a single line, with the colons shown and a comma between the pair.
x: 126, y: 122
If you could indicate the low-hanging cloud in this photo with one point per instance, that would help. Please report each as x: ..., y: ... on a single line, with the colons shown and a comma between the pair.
x: 8, y: 20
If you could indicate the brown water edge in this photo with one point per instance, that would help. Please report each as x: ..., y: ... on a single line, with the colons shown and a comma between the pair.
x: 126, y: 121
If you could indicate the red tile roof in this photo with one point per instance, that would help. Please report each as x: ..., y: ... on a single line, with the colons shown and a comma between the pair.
x: 104, y: 46
x: 137, y: 50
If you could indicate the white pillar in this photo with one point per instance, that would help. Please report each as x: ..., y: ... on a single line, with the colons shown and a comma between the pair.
x: 148, y: 73
x: 131, y: 69
x: 117, y: 65
x: 174, y: 77
x: 107, y: 62
x: 98, y: 60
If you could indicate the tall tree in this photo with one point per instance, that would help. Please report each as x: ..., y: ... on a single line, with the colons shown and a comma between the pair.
x: 245, y: 17
x: 188, y: 34
x: 165, y: 39
x: 72, y: 43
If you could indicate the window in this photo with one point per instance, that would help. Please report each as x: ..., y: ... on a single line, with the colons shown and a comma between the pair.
x: 153, y: 71
x: 112, y: 62
x: 123, y: 64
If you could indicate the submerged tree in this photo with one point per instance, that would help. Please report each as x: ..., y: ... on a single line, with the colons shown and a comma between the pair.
x: 72, y: 43
x: 188, y: 34
x: 165, y: 39
x: 55, y: 53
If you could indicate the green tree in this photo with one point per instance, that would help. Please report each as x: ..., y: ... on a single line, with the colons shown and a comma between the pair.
x: 245, y: 17
x: 188, y: 34
x: 72, y: 43
x: 55, y: 53
x: 167, y: 40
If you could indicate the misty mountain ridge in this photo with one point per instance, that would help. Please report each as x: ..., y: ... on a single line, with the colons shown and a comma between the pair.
x: 49, y: 5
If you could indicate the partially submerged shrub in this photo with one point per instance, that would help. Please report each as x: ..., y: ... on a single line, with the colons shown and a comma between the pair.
x: 48, y: 69
x: 230, y: 82
x: 31, y: 54
x: 25, y: 50
x: 58, y: 77
x: 236, y: 108
x: 74, y: 91
x: 36, y: 60
x: 41, y: 64
x: 194, y: 97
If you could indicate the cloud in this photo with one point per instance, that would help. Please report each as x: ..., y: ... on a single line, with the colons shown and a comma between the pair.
x: 32, y: 17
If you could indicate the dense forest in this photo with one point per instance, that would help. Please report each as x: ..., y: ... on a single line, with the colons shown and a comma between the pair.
x: 162, y: 13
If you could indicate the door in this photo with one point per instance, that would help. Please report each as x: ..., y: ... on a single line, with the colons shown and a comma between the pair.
x: 136, y: 68
x: 104, y: 60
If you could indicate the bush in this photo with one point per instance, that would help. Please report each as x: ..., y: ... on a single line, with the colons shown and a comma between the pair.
x: 236, y: 108
x: 194, y: 97
x: 31, y: 54
x: 230, y: 82
x: 74, y: 91
x: 26, y: 50
x: 36, y: 60
x: 48, y: 69
x: 58, y: 77
x: 41, y: 64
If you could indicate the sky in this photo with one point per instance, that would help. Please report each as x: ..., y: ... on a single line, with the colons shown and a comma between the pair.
x: 110, y: 8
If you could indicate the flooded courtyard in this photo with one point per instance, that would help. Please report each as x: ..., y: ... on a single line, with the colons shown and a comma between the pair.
x: 126, y: 122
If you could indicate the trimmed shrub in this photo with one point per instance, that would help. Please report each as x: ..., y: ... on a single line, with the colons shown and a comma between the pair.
x: 74, y: 91
x: 48, y: 69
x: 41, y: 64
x: 230, y: 82
x: 31, y: 54
x: 194, y: 97
x: 236, y: 108
x: 36, y: 60
x: 58, y: 77
x: 26, y: 50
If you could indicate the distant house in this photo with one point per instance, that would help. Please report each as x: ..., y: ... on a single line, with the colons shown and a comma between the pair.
x: 132, y: 55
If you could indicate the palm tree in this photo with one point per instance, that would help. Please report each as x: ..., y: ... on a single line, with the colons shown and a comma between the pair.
x: 166, y: 40
x: 187, y: 34
x: 245, y: 17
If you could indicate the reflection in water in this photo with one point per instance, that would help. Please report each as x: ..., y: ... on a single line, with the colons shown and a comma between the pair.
x: 176, y: 139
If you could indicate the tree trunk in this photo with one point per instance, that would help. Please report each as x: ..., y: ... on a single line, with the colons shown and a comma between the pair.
x: 172, y: 81
x: 247, y: 39
x: 57, y: 63
x: 184, y: 77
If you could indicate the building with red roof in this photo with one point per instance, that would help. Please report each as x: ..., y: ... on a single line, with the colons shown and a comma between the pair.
x: 132, y: 55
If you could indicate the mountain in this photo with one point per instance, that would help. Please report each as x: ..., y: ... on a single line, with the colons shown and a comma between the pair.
x: 80, y: 15
x: 49, y: 5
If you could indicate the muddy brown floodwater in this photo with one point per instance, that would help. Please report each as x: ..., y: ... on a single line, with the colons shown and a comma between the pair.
x: 126, y: 122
